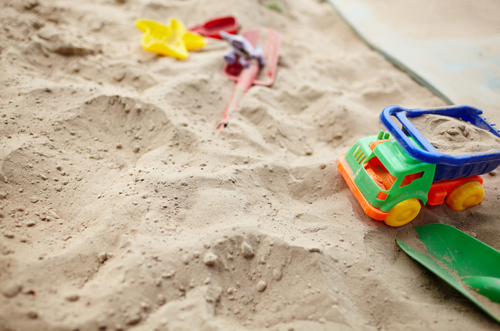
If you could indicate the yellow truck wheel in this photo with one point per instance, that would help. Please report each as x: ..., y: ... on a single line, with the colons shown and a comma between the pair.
x: 465, y: 196
x: 403, y: 213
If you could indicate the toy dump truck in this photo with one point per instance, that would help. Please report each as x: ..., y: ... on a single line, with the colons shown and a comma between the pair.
x: 393, y: 172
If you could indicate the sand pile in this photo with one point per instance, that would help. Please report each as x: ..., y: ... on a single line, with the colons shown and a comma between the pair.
x: 123, y: 208
x: 455, y: 137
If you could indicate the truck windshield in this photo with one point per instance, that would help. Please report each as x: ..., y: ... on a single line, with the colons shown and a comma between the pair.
x: 379, y: 173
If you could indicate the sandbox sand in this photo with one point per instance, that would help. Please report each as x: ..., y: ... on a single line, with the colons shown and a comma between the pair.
x: 455, y: 137
x: 122, y: 207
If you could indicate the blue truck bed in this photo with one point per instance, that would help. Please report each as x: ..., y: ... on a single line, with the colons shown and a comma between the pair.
x: 447, y: 166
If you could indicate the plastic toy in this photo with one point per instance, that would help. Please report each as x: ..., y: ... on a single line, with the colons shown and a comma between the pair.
x: 465, y: 263
x: 212, y: 27
x: 170, y: 40
x: 390, y: 174
x: 254, y: 74
x: 242, y: 50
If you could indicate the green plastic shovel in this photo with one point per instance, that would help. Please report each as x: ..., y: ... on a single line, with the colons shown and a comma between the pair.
x: 462, y: 261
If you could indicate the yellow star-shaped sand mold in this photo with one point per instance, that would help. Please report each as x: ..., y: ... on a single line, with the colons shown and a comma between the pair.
x: 172, y: 39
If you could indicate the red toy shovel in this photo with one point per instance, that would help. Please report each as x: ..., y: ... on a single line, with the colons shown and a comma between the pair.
x: 270, y: 41
x: 212, y: 27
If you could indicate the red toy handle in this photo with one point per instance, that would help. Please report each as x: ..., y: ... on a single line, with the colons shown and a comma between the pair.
x: 245, y: 81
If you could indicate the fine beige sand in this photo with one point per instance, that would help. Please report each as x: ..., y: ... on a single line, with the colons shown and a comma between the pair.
x: 123, y: 208
x: 455, y: 137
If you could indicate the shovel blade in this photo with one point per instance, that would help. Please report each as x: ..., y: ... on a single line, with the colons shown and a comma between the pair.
x: 487, y: 286
x: 462, y: 261
x: 212, y: 27
x: 460, y: 252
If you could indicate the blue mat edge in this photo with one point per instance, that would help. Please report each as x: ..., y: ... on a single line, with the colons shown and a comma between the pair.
x: 415, y: 76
